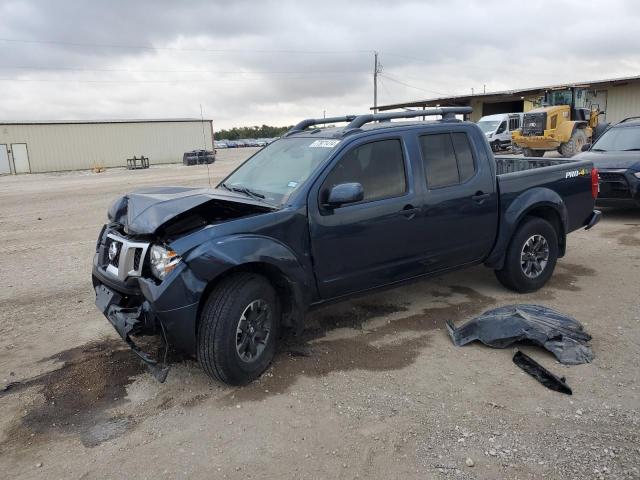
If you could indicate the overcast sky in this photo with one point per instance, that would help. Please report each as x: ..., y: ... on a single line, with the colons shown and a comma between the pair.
x: 275, y: 62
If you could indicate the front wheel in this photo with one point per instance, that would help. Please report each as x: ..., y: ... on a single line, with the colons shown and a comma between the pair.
x: 531, y: 256
x: 574, y: 145
x: 238, y: 329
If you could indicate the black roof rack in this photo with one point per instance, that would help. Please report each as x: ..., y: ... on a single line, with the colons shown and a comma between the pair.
x: 448, y: 113
x: 628, y: 119
x: 318, y: 121
x: 355, y: 122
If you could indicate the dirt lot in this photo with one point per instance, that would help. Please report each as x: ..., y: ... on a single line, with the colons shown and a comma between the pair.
x: 373, y: 389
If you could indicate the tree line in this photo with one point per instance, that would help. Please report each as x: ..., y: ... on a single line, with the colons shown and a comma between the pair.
x: 265, y: 131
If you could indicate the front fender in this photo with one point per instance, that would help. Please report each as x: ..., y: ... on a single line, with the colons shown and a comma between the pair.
x: 216, y: 256
x: 521, y: 206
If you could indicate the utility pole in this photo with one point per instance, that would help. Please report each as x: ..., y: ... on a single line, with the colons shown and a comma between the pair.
x: 377, y: 68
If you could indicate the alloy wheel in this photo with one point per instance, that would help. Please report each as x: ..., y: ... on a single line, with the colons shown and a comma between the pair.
x: 534, y: 256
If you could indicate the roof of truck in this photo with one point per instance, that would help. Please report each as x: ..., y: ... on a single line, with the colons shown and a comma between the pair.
x: 369, y: 121
x: 340, y: 132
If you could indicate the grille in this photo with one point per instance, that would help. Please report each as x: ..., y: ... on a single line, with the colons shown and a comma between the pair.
x: 137, y: 257
x: 534, y: 124
x: 613, y: 185
x: 107, y: 246
x: 612, y: 177
x: 128, y: 258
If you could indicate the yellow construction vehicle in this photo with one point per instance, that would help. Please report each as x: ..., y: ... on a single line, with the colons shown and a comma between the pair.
x: 561, y: 124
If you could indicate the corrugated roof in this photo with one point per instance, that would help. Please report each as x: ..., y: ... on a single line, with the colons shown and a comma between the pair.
x: 522, y: 91
x: 82, y: 122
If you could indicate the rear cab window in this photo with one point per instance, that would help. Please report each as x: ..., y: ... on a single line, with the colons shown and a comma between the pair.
x: 447, y: 158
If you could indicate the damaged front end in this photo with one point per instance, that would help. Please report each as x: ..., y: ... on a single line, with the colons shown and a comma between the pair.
x: 142, y: 286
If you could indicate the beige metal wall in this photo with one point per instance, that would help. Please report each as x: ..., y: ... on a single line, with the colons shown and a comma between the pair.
x: 623, y: 101
x: 78, y: 146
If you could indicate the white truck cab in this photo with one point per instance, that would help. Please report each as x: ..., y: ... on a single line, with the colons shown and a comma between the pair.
x: 498, y: 128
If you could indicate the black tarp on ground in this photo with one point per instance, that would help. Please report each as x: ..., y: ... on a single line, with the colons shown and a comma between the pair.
x: 561, y: 334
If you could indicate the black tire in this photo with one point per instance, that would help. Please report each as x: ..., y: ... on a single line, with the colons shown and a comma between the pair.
x: 513, y: 275
x: 599, y: 130
x: 495, y: 146
x: 574, y: 145
x: 532, y: 153
x: 218, y: 336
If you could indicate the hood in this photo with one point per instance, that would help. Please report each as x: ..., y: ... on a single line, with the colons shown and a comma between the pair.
x: 145, y: 211
x: 627, y: 160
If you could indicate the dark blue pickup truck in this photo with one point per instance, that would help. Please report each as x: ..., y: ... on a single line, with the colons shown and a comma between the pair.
x: 323, y: 214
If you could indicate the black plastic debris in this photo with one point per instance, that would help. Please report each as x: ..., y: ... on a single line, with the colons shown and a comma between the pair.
x: 544, y: 376
x: 561, y: 334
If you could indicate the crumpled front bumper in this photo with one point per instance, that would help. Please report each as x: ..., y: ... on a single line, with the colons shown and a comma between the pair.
x: 129, y: 321
x: 142, y: 306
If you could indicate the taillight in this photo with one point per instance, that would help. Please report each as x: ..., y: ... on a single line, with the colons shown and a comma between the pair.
x: 595, y: 182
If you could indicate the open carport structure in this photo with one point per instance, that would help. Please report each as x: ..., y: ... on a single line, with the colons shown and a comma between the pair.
x: 619, y: 98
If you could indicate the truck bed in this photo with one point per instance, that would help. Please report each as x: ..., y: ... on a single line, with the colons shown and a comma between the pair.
x: 569, y: 179
x: 511, y: 164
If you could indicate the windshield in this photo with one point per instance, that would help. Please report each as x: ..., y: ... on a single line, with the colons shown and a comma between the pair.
x: 277, y: 170
x: 618, y: 140
x: 488, y: 126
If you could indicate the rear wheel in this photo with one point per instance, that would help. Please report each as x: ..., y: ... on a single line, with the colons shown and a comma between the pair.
x: 531, y: 256
x: 574, y: 145
x: 238, y: 329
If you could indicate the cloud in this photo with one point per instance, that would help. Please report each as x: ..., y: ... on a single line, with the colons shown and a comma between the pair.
x: 274, y: 62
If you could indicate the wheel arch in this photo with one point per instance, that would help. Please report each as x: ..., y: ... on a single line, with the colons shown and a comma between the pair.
x: 538, y: 202
x: 289, y: 294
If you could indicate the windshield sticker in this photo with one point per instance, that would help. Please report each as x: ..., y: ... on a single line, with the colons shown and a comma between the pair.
x: 292, y: 184
x: 324, y: 144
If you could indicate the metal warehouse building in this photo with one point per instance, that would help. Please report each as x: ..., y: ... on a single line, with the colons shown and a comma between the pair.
x: 619, y: 98
x: 31, y: 147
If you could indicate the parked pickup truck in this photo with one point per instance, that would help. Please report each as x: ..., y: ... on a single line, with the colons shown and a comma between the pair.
x: 324, y: 214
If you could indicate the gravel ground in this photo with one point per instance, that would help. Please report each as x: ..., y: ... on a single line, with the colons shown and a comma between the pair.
x: 374, y: 388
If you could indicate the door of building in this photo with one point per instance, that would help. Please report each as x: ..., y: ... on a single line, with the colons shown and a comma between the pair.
x: 4, y: 160
x: 20, y: 157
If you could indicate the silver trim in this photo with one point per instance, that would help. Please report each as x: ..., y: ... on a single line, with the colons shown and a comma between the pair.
x: 127, y: 254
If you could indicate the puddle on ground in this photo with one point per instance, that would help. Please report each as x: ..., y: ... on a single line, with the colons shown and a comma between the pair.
x: 78, y: 396
x: 566, y: 276
x: 392, y: 346
x: 625, y: 236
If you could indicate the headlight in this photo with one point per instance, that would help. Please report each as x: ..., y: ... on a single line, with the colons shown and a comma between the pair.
x: 637, y: 174
x: 162, y: 261
x: 489, y: 135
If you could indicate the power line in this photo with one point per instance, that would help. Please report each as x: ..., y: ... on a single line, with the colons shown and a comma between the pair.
x: 180, y: 49
x: 411, y: 86
x: 218, y: 72
x: 175, y: 80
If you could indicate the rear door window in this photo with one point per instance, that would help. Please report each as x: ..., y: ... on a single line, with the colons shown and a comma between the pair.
x: 448, y: 159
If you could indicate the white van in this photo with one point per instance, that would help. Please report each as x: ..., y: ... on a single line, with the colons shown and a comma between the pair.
x: 498, y: 128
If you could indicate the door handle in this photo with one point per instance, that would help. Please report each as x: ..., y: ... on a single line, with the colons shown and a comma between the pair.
x: 409, y: 211
x: 480, y: 196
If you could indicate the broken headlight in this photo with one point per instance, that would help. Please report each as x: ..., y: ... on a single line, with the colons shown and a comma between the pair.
x: 162, y: 261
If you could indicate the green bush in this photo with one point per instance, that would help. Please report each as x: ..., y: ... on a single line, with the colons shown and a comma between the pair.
x: 265, y: 131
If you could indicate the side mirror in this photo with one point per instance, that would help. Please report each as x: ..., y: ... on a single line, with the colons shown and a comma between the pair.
x: 345, y: 193
x: 585, y: 147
